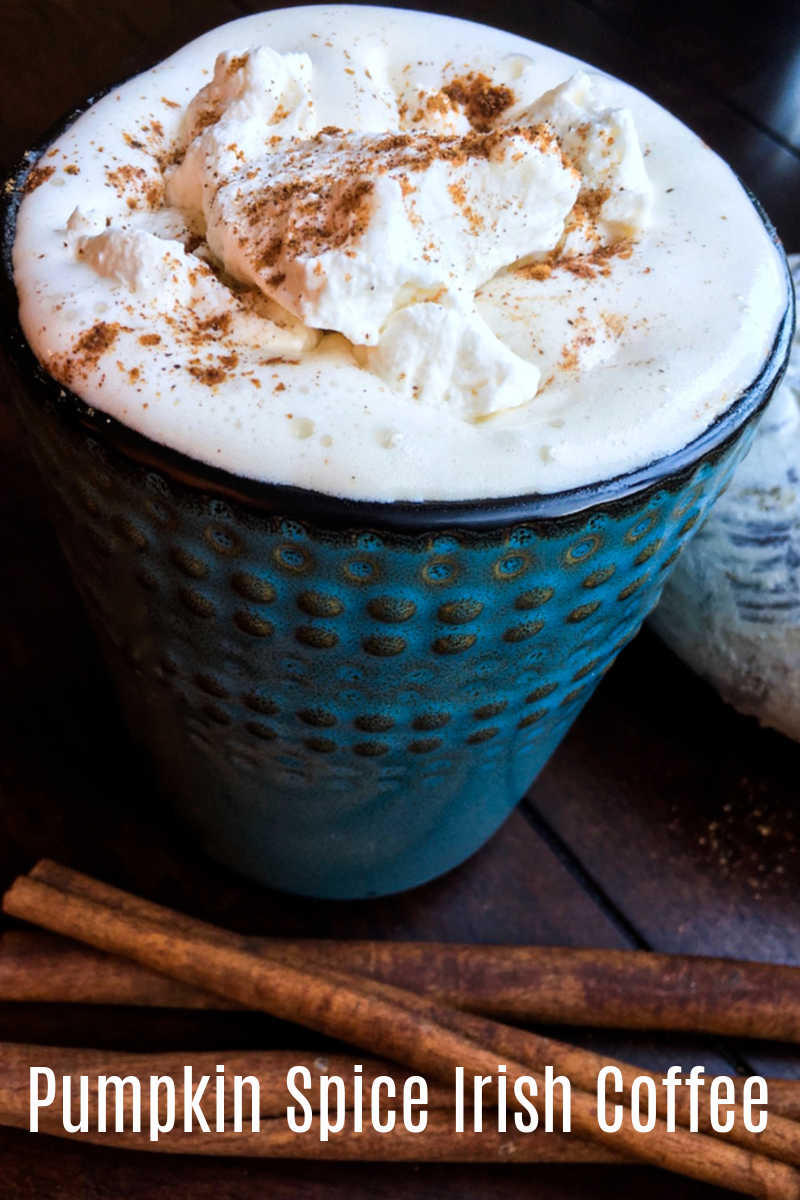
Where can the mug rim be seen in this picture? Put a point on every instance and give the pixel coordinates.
(324, 510)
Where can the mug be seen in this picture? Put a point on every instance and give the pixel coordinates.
(344, 698)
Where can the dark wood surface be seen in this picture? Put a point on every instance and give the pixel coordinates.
(664, 821)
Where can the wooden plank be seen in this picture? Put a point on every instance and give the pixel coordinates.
(685, 815)
(749, 58)
(54, 55)
(682, 810)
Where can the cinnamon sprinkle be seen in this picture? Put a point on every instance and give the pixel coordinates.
(459, 196)
(315, 213)
(481, 100)
(219, 324)
(87, 351)
(615, 323)
(135, 184)
(95, 341)
(588, 266)
(36, 177)
(209, 375)
(237, 63)
(583, 266)
(536, 270)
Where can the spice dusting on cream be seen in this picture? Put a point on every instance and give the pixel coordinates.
(477, 272)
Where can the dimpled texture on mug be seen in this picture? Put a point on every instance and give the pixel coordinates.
(345, 713)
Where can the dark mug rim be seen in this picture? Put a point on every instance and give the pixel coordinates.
(337, 512)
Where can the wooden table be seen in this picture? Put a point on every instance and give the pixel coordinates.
(665, 820)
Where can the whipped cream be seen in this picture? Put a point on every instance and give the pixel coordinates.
(298, 250)
(386, 237)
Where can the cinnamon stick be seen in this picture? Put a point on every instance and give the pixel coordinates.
(270, 1066)
(781, 1140)
(614, 989)
(437, 1143)
(41, 968)
(391, 1022)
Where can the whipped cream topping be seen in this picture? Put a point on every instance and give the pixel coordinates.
(344, 229)
(299, 250)
(385, 237)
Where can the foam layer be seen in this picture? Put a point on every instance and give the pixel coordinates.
(620, 301)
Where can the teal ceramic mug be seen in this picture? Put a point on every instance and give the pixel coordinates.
(346, 699)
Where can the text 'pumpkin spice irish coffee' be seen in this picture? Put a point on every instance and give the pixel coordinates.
(378, 387)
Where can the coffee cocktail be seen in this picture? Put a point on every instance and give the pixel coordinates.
(432, 346)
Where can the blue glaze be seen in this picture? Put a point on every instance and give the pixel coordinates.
(350, 713)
